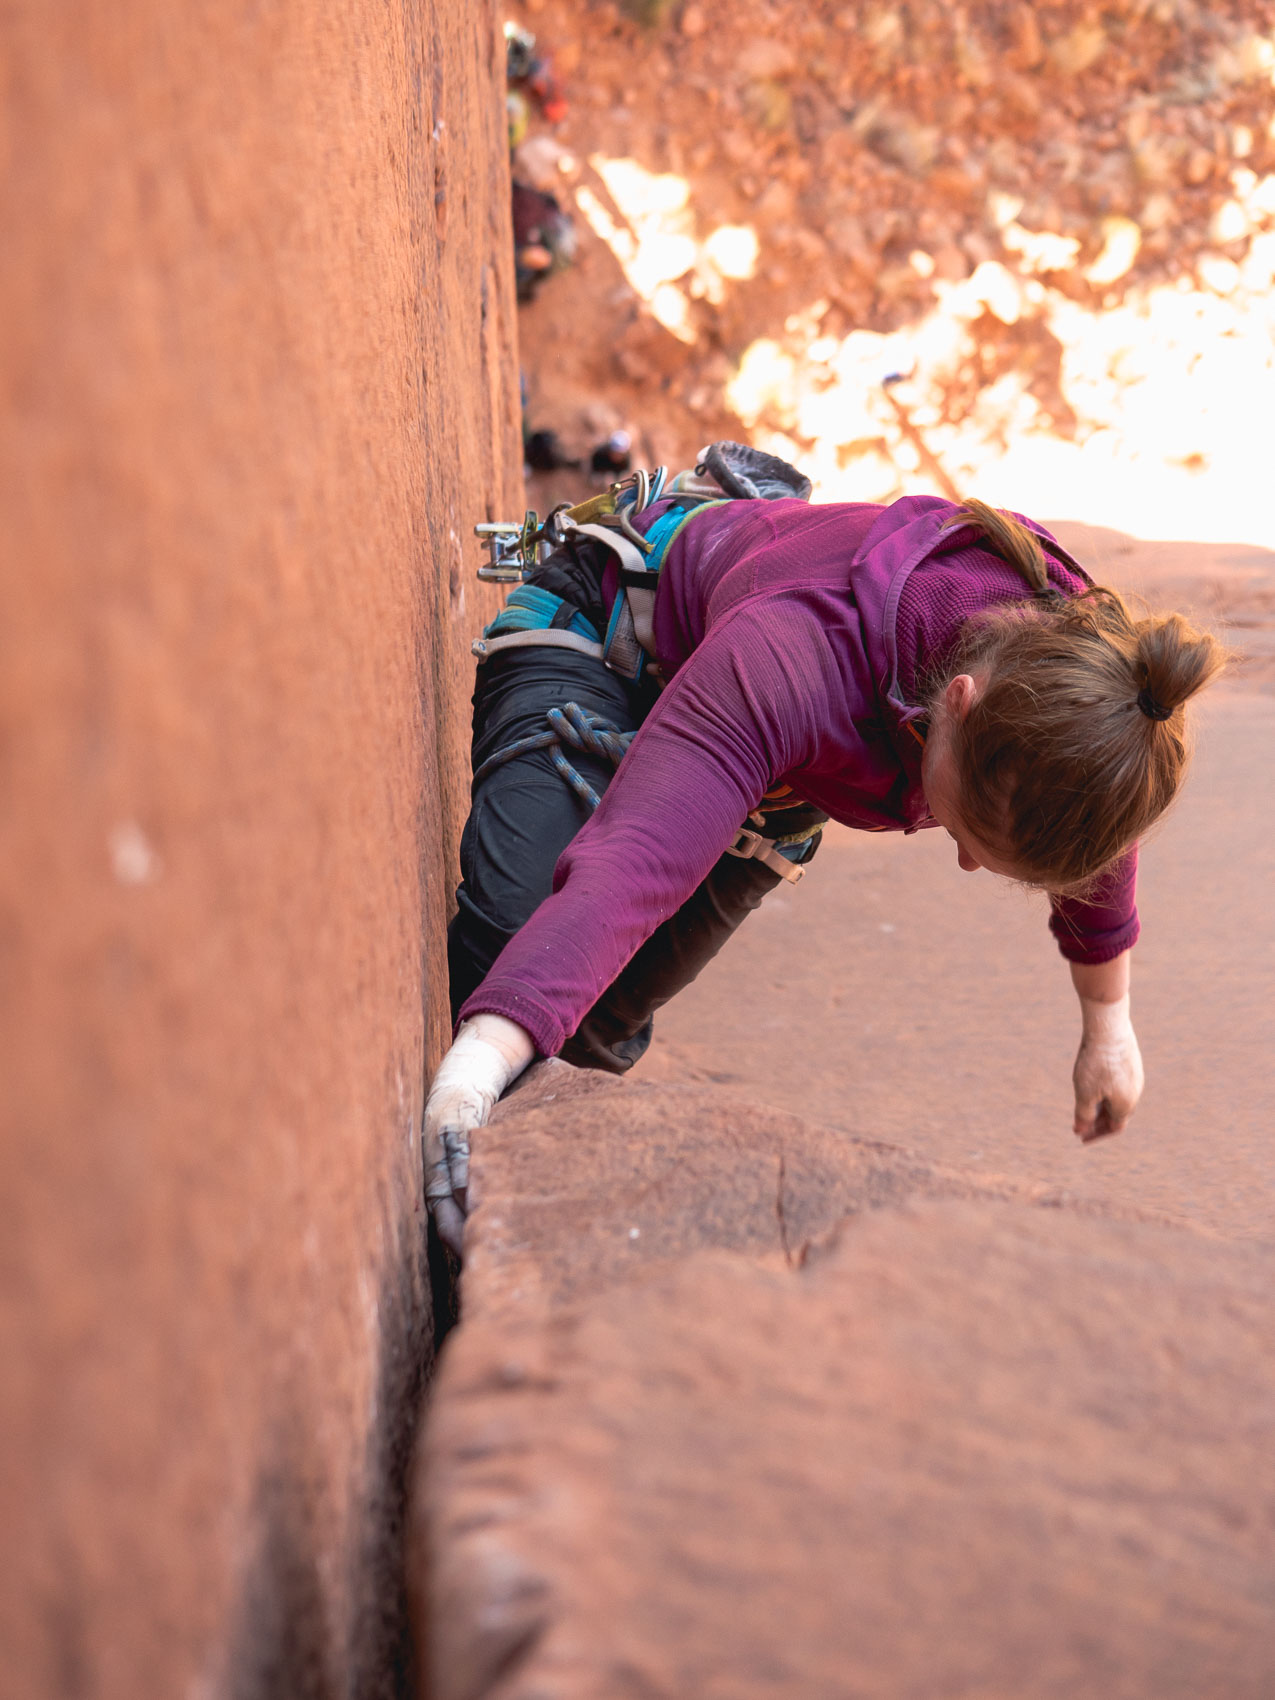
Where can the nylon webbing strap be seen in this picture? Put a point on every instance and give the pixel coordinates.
(629, 553)
(750, 846)
(622, 651)
(545, 638)
(630, 636)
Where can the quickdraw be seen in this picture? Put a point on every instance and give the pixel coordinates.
(628, 646)
(514, 550)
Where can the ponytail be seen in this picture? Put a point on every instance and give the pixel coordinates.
(1010, 539)
(1173, 661)
(1077, 742)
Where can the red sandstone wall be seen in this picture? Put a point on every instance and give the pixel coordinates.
(256, 345)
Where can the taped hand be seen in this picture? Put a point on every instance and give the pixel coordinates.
(1108, 1075)
(488, 1053)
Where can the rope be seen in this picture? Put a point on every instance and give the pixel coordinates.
(571, 725)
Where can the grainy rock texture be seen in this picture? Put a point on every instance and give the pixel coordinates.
(739, 1408)
(256, 349)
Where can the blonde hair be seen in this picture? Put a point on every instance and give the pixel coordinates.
(1078, 740)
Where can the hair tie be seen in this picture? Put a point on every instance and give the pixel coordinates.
(1150, 707)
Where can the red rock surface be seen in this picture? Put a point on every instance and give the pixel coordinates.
(256, 348)
(741, 1407)
(584, 1182)
(257, 351)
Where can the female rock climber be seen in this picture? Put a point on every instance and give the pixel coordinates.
(915, 665)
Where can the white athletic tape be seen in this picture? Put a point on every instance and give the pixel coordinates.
(1106, 1021)
(489, 1052)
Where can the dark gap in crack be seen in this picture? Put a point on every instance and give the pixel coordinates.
(781, 1218)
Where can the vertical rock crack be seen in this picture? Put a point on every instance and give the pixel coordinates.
(780, 1217)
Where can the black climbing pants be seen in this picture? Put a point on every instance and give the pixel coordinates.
(522, 816)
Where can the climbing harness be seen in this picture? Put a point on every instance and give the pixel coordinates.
(535, 617)
(628, 646)
(592, 735)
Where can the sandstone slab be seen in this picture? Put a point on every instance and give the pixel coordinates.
(834, 1422)
(583, 1181)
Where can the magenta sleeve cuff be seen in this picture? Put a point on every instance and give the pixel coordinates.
(1098, 928)
(1094, 948)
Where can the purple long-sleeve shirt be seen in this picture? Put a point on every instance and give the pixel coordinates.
(772, 647)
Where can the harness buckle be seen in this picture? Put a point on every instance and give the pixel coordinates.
(752, 846)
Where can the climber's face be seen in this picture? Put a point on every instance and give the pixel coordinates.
(940, 780)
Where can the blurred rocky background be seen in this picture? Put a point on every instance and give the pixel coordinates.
(1021, 250)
